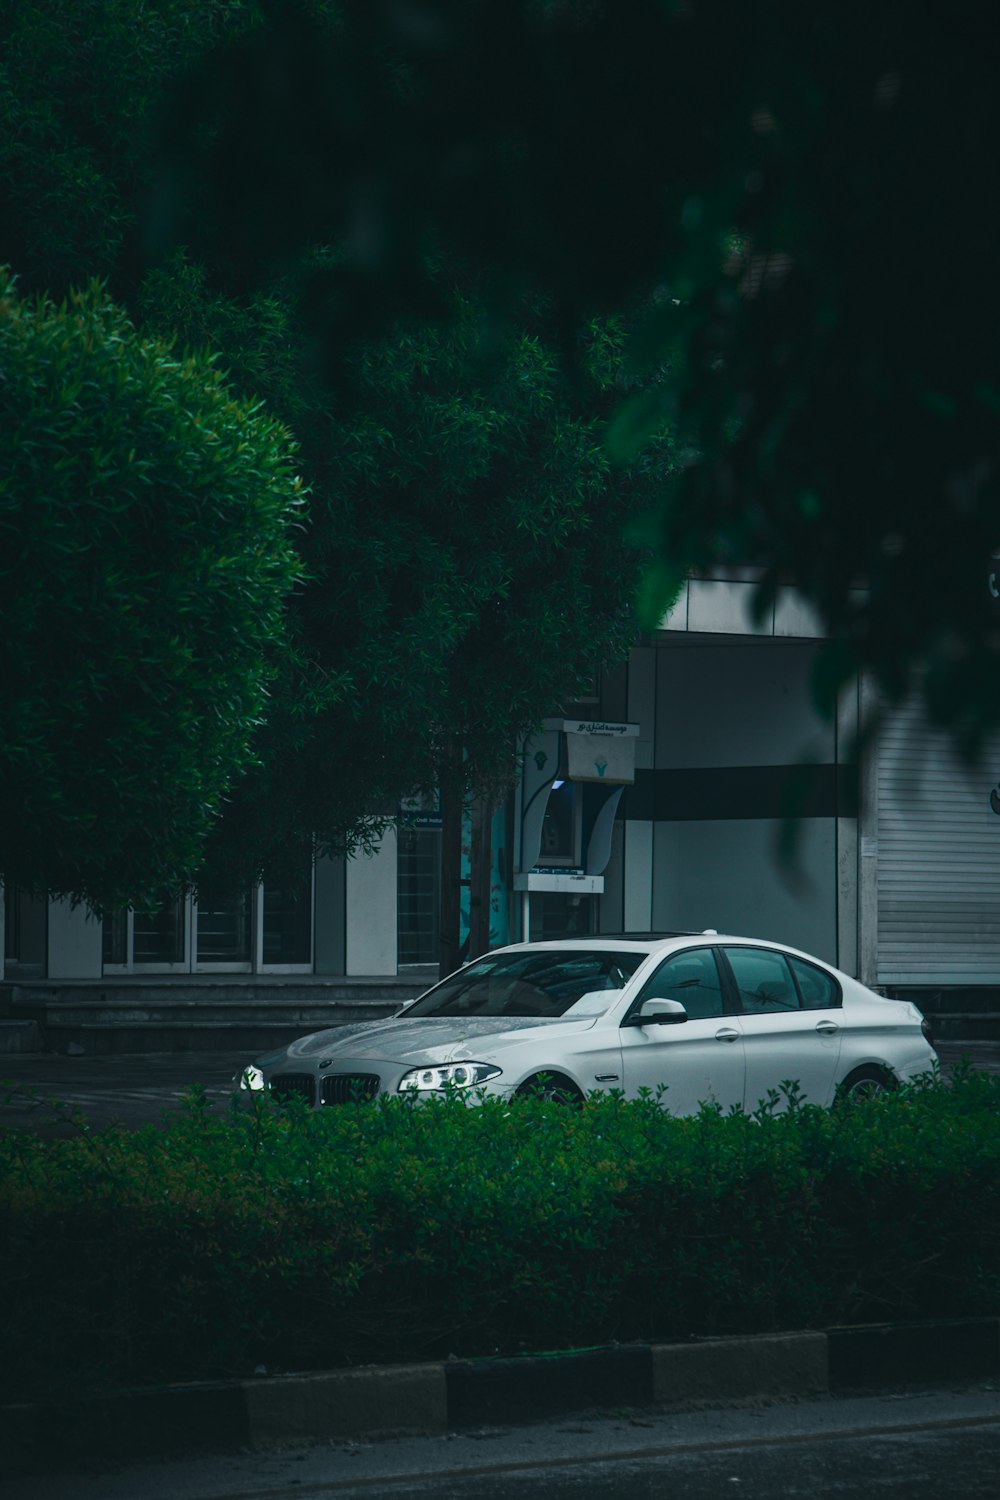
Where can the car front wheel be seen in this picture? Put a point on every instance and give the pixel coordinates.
(550, 1086)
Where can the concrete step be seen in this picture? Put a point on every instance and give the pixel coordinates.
(102, 1018)
(243, 1039)
(960, 1013)
(18, 1037)
(199, 990)
(956, 1026)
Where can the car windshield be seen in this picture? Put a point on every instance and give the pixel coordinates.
(573, 984)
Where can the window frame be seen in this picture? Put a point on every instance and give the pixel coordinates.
(801, 1008)
(726, 987)
(838, 988)
(190, 964)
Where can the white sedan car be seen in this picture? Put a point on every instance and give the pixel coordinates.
(691, 1017)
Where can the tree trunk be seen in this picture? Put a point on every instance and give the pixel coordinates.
(451, 883)
(480, 853)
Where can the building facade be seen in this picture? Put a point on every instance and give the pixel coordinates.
(720, 799)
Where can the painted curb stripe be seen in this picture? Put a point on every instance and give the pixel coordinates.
(463, 1393)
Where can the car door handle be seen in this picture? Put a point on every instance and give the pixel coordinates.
(827, 1028)
(727, 1034)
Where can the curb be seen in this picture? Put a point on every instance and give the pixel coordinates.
(427, 1398)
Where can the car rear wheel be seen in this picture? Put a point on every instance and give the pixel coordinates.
(866, 1083)
(550, 1086)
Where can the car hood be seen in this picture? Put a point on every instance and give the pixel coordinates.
(423, 1040)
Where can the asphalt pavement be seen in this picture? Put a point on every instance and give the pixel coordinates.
(43, 1092)
(920, 1445)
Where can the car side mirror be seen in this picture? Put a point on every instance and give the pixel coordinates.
(660, 1013)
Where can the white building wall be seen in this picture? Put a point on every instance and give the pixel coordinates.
(726, 875)
(637, 838)
(611, 903)
(732, 717)
(638, 892)
(725, 606)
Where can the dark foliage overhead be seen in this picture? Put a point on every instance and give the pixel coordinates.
(809, 189)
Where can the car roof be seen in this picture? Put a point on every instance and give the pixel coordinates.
(653, 942)
(649, 941)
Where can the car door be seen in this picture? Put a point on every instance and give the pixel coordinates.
(790, 1017)
(697, 1060)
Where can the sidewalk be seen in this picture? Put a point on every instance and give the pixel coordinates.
(379, 1401)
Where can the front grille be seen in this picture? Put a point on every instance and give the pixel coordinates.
(349, 1088)
(294, 1086)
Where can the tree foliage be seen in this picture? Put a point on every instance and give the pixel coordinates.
(807, 191)
(466, 574)
(145, 559)
(80, 83)
(462, 560)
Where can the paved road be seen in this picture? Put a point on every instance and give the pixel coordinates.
(43, 1092)
(921, 1446)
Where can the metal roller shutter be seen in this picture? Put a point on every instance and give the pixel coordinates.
(938, 859)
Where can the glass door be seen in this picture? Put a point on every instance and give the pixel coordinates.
(147, 942)
(26, 926)
(418, 896)
(285, 924)
(224, 931)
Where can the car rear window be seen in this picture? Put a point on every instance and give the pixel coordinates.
(819, 990)
(572, 984)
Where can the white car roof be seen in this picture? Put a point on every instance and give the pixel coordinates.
(654, 942)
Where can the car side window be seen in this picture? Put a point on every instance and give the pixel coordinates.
(692, 977)
(763, 979)
(819, 990)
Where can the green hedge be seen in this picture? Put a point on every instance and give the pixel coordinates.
(291, 1239)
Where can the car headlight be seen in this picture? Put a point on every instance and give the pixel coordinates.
(251, 1078)
(460, 1075)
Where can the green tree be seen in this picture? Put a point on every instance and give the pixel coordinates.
(465, 565)
(145, 559)
(80, 81)
(463, 560)
(807, 192)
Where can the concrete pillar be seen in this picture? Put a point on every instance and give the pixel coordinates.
(370, 900)
(638, 878)
(868, 843)
(330, 943)
(74, 942)
(847, 841)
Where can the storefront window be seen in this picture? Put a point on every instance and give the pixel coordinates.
(224, 928)
(114, 937)
(158, 936)
(268, 927)
(286, 919)
(418, 908)
(25, 934)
